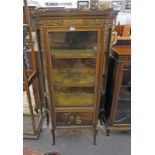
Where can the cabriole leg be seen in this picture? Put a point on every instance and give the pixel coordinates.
(53, 135)
(95, 134)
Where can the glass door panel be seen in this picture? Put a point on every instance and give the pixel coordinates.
(73, 44)
(73, 57)
(123, 114)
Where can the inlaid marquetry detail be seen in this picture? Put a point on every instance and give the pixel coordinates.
(93, 21)
(71, 22)
(53, 22)
(39, 22)
(74, 118)
(105, 39)
(107, 21)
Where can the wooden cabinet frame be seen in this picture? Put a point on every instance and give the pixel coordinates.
(120, 57)
(75, 20)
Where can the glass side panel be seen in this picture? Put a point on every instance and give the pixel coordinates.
(123, 114)
(73, 57)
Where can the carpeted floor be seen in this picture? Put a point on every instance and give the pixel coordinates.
(80, 142)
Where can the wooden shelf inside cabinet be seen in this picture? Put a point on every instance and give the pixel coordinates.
(73, 54)
(72, 57)
(77, 109)
(74, 86)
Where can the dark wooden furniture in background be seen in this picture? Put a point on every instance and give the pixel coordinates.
(126, 31)
(33, 115)
(118, 90)
(123, 41)
(75, 45)
(123, 30)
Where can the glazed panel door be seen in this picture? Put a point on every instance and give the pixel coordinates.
(74, 74)
(73, 57)
(123, 110)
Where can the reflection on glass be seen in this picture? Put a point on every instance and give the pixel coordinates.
(73, 44)
(123, 114)
(73, 57)
(73, 77)
(73, 63)
(74, 98)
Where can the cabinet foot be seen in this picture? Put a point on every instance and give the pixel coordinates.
(47, 111)
(53, 135)
(107, 132)
(95, 134)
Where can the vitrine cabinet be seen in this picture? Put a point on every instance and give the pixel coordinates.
(74, 45)
(118, 90)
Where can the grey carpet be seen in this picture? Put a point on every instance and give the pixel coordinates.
(80, 142)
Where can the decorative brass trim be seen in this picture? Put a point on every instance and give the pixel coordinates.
(93, 21)
(73, 22)
(107, 21)
(53, 22)
(39, 22)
